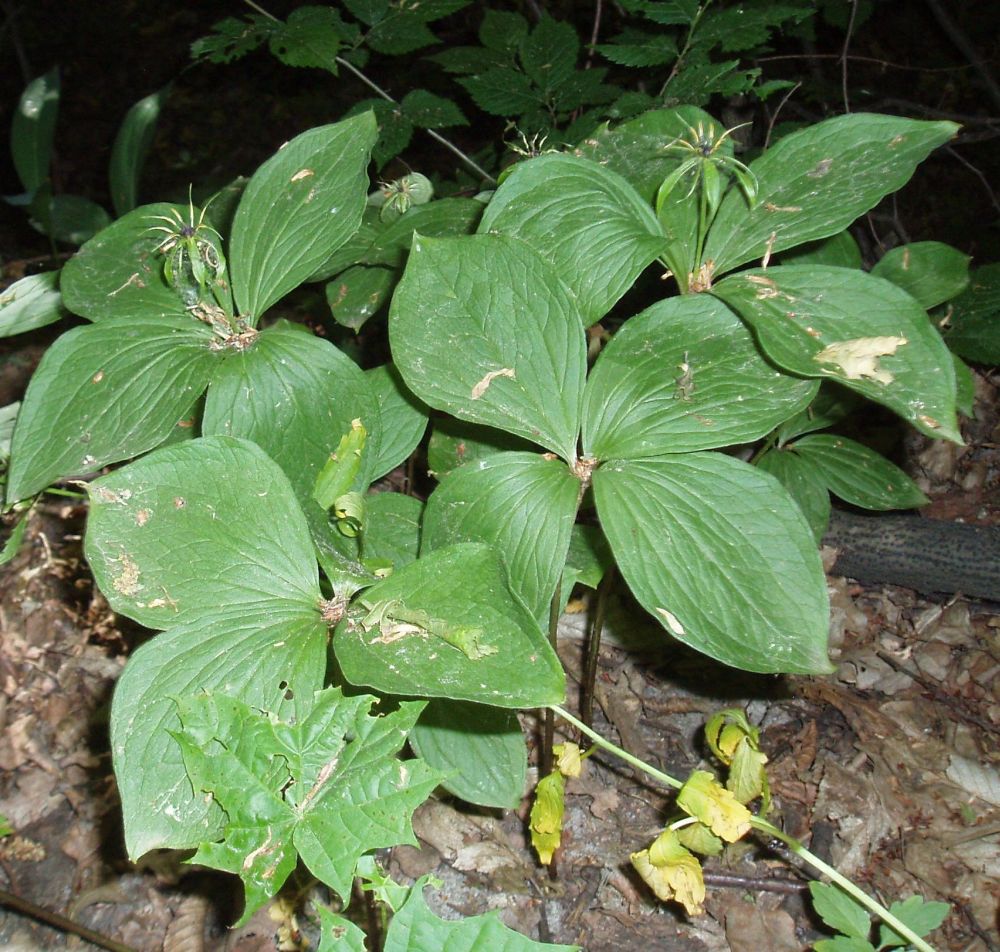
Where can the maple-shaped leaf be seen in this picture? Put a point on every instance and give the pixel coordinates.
(328, 788)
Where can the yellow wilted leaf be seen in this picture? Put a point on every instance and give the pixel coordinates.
(547, 816)
(707, 800)
(672, 872)
(568, 760)
(859, 357)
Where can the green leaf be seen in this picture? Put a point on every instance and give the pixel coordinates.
(400, 34)
(502, 30)
(684, 375)
(33, 129)
(454, 443)
(973, 325)
(30, 303)
(444, 218)
(128, 154)
(863, 332)
(358, 293)
(521, 503)
(69, 218)
(295, 395)
(921, 916)
(857, 474)
(119, 272)
(338, 933)
(233, 38)
(843, 944)
(10, 548)
(241, 605)
(718, 553)
(312, 37)
(588, 559)
(584, 219)
(340, 471)
(428, 111)
(640, 49)
(502, 91)
(930, 271)
(104, 393)
(392, 529)
(301, 204)
(965, 387)
(804, 484)
(327, 786)
(461, 589)
(479, 750)
(495, 302)
(548, 53)
(815, 182)
(635, 149)
(414, 928)
(839, 911)
(403, 417)
(831, 404)
(839, 250)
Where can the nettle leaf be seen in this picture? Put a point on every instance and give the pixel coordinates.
(403, 418)
(548, 53)
(684, 375)
(815, 182)
(804, 484)
(107, 392)
(479, 750)
(973, 325)
(930, 271)
(33, 129)
(327, 786)
(30, 303)
(859, 330)
(857, 474)
(119, 272)
(503, 30)
(185, 539)
(454, 443)
(414, 928)
(635, 149)
(584, 219)
(502, 91)
(295, 395)
(428, 111)
(312, 37)
(299, 206)
(448, 626)
(496, 303)
(719, 554)
(521, 503)
(132, 144)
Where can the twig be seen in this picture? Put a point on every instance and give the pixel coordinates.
(982, 178)
(594, 33)
(843, 54)
(854, 58)
(965, 47)
(56, 921)
(753, 884)
(774, 117)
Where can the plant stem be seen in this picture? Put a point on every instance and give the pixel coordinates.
(762, 825)
(616, 750)
(379, 91)
(593, 648)
(548, 724)
(844, 883)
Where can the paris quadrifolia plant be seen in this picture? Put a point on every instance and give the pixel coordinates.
(309, 627)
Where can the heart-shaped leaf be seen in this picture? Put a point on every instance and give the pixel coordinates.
(684, 375)
(719, 554)
(584, 219)
(297, 209)
(448, 625)
(497, 304)
(521, 503)
(863, 332)
(106, 392)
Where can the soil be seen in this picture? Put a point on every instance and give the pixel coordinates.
(889, 769)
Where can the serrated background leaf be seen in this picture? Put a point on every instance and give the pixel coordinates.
(464, 585)
(798, 310)
(429, 111)
(299, 206)
(30, 303)
(104, 393)
(974, 325)
(403, 419)
(502, 91)
(128, 154)
(311, 37)
(584, 219)
(930, 271)
(522, 504)
(496, 303)
(857, 474)
(295, 395)
(548, 53)
(640, 401)
(839, 911)
(119, 273)
(721, 547)
(815, 182)
(480, 749)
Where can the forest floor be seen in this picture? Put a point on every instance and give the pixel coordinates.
(889, 769)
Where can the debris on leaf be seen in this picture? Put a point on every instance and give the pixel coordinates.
(859, 357)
